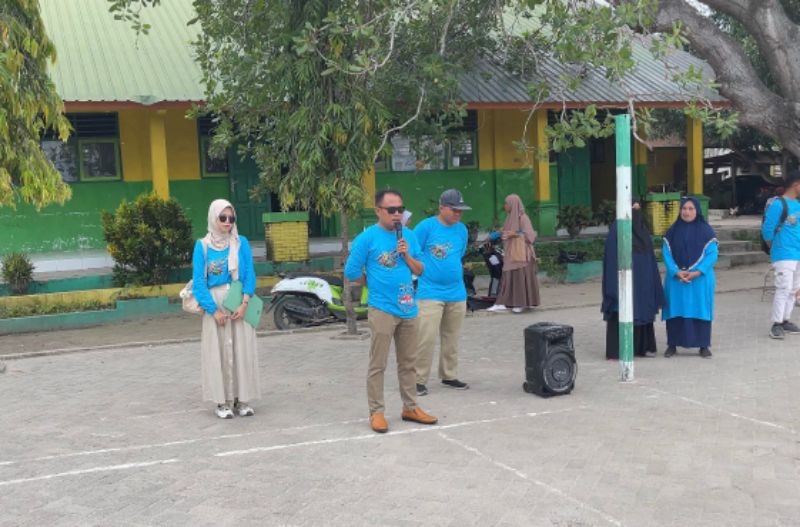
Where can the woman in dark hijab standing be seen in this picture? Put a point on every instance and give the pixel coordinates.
(690, 252)
(648, 295)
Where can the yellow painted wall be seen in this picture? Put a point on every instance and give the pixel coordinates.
(134, 137)
(666, 165)
(509, 128)
(183, 147)
(486, 143)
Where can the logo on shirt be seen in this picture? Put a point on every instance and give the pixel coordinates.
(388, 259)
(217, 267)
(441, 250)
(792, 219)
(405, 298)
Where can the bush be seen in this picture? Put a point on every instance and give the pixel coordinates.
(17, 272)
(606, 212)
(147, 239)
(574, 218)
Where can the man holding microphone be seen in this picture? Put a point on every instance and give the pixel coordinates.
(388, 253)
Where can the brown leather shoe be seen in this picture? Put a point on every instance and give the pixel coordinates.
(378, 423)
(418, 416)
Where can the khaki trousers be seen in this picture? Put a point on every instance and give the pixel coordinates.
(443, 320)
(385, 327)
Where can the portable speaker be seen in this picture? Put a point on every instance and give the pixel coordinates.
(550, 367)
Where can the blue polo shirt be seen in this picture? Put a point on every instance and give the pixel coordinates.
(443, 246)
(388, 276)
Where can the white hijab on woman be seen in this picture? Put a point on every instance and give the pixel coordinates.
(220, 239)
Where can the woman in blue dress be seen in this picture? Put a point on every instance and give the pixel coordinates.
(690, 252)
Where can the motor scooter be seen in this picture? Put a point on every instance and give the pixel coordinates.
(493, 257)
(304, 300)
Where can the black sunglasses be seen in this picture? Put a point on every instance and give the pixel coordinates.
(224, 218)
(394, 210)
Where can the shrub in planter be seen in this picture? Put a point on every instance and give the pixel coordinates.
(606, 212)
(17, 272)
(147, 239)
(574, 218)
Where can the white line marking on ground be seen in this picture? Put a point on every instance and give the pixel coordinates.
(538, 483)
(725, 412)
(179, 442)
(362, 437)
(108, 468)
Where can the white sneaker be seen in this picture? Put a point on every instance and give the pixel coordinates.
(517, 309)
(223, 411)
(496, 308)
(244, 409)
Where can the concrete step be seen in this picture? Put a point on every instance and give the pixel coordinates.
(732, 246)
(728, 260)
(739, 234)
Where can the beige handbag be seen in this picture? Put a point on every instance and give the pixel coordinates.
(188, 302)
(517, 250)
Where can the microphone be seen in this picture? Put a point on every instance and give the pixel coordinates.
(398, 228)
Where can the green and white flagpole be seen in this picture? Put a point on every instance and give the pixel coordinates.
(625, 273)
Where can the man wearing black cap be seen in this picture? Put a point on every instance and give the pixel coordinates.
(441, 295)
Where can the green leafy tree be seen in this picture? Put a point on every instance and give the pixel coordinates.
(29, 106)
(314, 89)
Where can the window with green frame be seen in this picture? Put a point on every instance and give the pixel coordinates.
(463, 151)
(99, 159)
(93, 151)
(211, 166)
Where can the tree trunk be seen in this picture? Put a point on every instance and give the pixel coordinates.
(347, 295)
(758, 106)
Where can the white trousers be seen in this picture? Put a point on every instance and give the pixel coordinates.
(787, 282)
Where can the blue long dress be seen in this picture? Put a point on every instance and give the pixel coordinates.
(689, 309)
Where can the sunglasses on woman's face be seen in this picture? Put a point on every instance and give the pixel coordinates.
(224, 218)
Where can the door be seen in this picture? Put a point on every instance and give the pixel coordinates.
(574, 177)
(244, 176)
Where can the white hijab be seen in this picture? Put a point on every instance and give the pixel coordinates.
(219, 239)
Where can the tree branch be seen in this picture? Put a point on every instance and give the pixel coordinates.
(759, 107)
(778, 38)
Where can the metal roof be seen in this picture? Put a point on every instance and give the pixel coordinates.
(649, 83)
(101, 60)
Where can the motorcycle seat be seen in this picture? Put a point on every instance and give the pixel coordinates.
(331, 279)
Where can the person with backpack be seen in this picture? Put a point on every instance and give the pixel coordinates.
(781, 235)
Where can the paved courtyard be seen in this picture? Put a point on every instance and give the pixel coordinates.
(120, 437)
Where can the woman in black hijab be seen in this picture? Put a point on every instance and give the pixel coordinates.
(648, 293)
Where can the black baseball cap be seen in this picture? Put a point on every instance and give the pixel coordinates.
(453, 199)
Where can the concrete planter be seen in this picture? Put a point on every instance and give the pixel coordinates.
(581, 272)
(124, 310)
(286, 235)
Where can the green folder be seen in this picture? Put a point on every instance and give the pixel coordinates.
(233, 300)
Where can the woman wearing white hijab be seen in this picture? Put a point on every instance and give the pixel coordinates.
(228, 345)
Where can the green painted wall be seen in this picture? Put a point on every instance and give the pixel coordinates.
(73, 226)
(484, 191)
(196, 195)
(76, 225)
